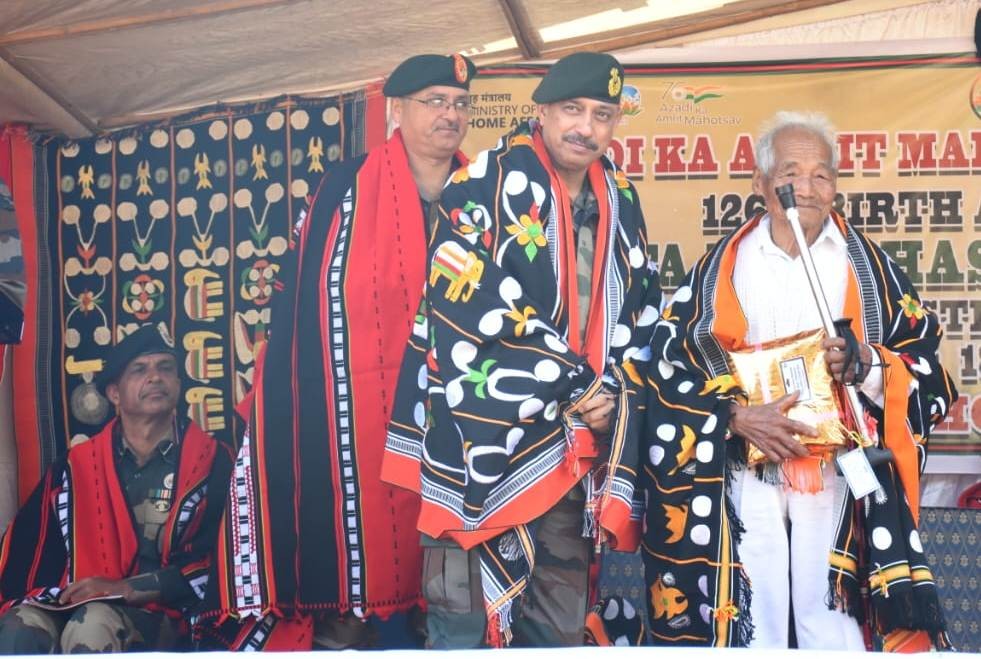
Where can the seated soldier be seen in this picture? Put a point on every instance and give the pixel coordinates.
(114, 543)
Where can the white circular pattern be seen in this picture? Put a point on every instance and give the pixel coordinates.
(628, 610)
(685, 387)
(187, 206)
(299, 119)
(491, 322)
(72, 337)
(158, 138)
(666, 369)
(185, 138)
(125, 211)
(515, 183)
(683, 294)
(218, 202)
(556, 344)
(700, 534)
(703, 585)
(881, 538)
(218, 130)
(71, 214)
(70, 150)
(103, 145)
(706, 612)
(551, 411)
(547, 371)
(509, 289)
(299, 188)
(648, 316)
(102, 212)
(275, 121)
(127, 145)
(701, 505)
(621, 336)
(914, 541)
(656, 454)
(454, 393)
(704, 451)
(530, 408)
(612, 610)
(242, 129)
(159, 209)
(636, 257)
(274, 193)
(666, 432)
(242, 198)
(419, 414)
(513, 437)
(422, 377)
(331, 116)
(102, 335)
(710, 423)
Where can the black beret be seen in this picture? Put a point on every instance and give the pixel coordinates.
(147, 340)
(423, 71)
(582, 75)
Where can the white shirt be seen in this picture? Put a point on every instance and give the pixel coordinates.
(775, 295)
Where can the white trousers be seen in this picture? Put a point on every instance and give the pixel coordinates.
(784, 551)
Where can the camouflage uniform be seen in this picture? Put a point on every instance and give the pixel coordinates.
(104, 627)
(92, 627)
(553, 612)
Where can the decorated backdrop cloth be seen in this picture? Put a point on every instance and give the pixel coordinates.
(486, 426)
(698, 591)
(184, 223)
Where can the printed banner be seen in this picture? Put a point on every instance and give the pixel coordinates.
(909, 139)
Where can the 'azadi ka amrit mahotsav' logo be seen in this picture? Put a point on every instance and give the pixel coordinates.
(630, 101)
(693, 94)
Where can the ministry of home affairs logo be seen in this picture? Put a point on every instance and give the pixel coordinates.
(976, 97)
(630, 101)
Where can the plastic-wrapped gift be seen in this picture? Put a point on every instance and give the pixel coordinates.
(771, 370)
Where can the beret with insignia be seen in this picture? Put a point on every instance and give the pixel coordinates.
(423, 71)
(147, 340)
(582, 75)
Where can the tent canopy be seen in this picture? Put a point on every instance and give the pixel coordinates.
(80, 67)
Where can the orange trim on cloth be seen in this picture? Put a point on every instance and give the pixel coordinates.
(569, 286)
(896, 381)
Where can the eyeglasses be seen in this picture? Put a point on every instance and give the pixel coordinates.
(441, 104)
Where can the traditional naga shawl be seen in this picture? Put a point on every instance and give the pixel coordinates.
(78, 524)
(310, 528)
(699, 593)
(483, 428)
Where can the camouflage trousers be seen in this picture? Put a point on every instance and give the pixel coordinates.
(92, 627)
(553, 611)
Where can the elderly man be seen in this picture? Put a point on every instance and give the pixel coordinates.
(314, 547)
(730, 549)
(515, 419)
(112, 548)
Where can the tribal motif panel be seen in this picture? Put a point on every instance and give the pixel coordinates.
(183, 224)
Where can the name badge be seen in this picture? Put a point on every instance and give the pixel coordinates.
(858, 473)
